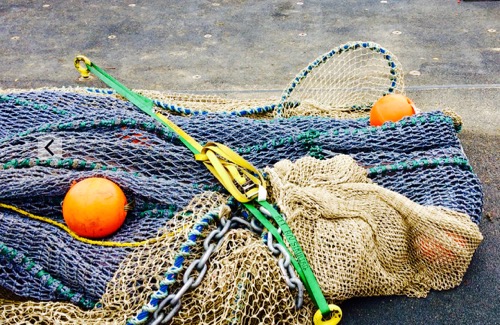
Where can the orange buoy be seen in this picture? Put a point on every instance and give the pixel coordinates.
(391, 108)
(135, 138)
(434, 250)
(94, 207)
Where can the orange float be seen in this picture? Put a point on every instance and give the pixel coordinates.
(94, 207)
(391, 108)
(135, 138)
(434, 251)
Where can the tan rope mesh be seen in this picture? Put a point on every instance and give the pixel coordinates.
(346, 82)
(457, 119)
(364, 240)
(243, 286)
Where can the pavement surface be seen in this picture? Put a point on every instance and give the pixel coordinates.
(250, 49)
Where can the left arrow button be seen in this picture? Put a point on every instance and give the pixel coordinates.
(48, 145)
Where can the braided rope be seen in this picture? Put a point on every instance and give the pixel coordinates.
(418, 163)
(173, 271)
(188, 111)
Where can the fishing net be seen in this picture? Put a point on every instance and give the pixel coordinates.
(377, 241)
(396, 216)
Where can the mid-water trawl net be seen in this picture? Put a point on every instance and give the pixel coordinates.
(404, 190)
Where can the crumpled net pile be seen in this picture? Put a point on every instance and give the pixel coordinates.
(378, 211)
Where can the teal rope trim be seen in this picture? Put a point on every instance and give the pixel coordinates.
(162, 132)
(308, 136)
(188, 111)
(48, 281)
(344, 48)
(420, 163)
(28, 103)
(76, 164)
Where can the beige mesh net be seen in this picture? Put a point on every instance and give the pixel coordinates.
(345, 81)
(361, 240)
(364, 240)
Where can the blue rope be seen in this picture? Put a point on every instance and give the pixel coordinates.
(174, 270)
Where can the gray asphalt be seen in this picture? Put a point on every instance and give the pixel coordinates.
(248, 49)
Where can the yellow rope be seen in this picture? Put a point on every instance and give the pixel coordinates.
(86, 240)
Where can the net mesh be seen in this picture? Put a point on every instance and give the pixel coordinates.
(409, 183)
(324, 88)
(382, 244)
(365, 240)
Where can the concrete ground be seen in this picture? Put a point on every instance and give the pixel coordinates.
(253, 49)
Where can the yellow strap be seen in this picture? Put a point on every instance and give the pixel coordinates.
(86, 240)
(227, 166)
(179, 132)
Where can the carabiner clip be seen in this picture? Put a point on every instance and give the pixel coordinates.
(81, 64)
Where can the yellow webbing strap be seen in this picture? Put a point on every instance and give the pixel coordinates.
(191, 143)
(231, 168)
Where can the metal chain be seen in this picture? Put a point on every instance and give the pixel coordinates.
(171, 305)
(287, 270)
